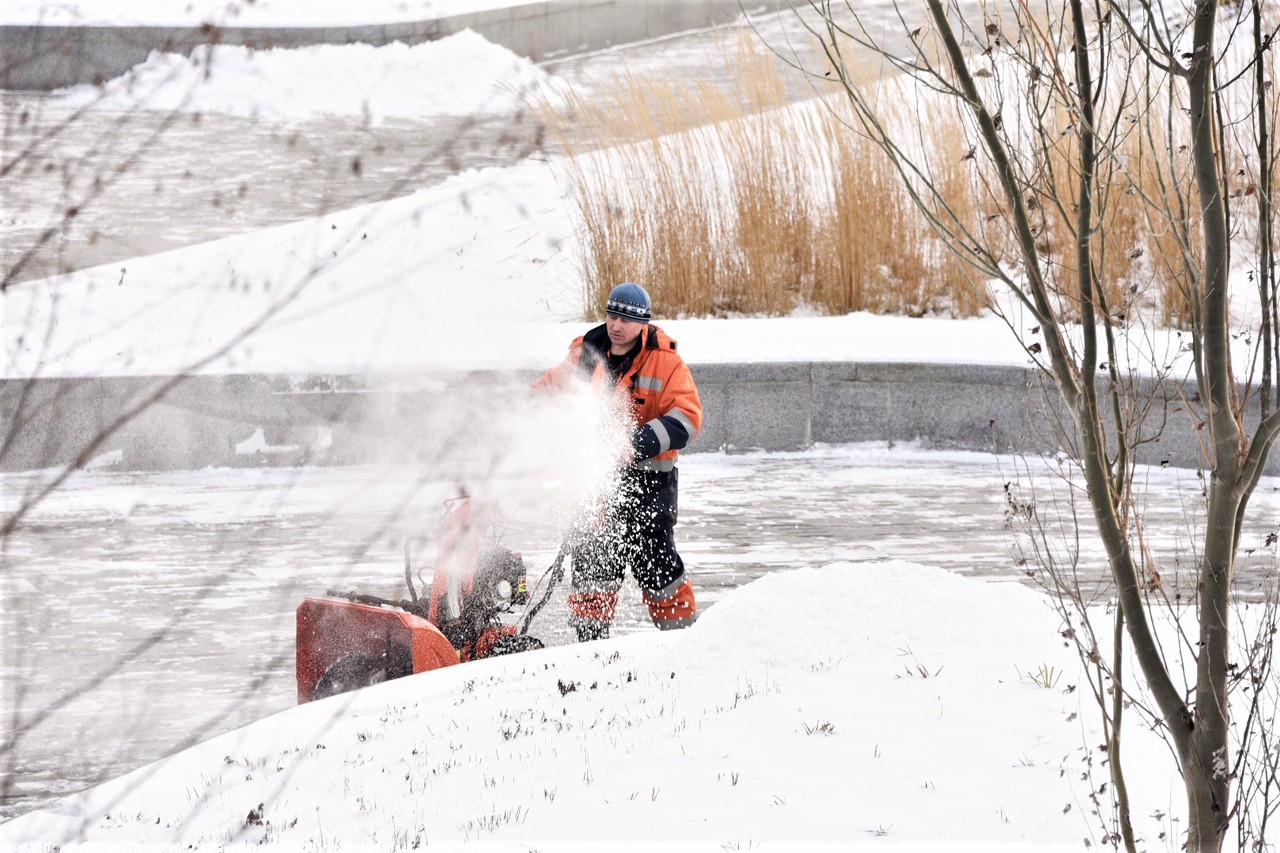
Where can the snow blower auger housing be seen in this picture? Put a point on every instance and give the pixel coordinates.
(348, 640)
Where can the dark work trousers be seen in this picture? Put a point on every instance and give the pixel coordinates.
(636, 531)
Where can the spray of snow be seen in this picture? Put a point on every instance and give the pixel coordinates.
(537, 462)
(531, 462)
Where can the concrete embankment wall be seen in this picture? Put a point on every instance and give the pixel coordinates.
(42, 58)
(340, 420)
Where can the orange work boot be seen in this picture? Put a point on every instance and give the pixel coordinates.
(678, 611)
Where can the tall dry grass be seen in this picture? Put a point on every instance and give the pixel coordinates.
(1141, 187)
(880, 254)
(732, 201)
(727, 203)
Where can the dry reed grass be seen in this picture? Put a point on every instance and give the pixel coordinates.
(1140, 187)
(730, 203)
(726, 204)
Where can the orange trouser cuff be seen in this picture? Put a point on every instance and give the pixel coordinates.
(677, 611)
(594, 606)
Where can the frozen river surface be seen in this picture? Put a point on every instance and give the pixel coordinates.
(143, 612)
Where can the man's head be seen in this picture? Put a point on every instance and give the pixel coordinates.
(630, 302)
(628, 312)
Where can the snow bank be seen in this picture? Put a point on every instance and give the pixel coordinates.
(460, 75)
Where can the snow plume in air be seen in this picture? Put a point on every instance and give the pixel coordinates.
(460, 75)
(536, 467)
(554, 454)
(539, 460)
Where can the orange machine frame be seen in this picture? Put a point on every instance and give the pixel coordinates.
(329, 630)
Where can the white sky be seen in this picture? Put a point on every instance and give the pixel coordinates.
(849, 705)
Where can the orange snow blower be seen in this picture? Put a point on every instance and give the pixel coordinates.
(348, 640)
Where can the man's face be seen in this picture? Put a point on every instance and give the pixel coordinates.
(623, 333)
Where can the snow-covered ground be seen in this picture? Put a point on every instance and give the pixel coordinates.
(858, 703)
(852, 705)
(465, 75)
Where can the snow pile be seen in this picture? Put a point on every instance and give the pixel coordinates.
(838, 704)
(451, 278)
(460, 75)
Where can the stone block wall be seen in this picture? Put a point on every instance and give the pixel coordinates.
(156, 423)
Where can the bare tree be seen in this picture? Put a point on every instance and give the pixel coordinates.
(1081, 119)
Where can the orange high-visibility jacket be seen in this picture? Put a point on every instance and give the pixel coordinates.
(664, 399)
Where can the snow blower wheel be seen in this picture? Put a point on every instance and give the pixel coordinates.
(350, 673)
(514, 643)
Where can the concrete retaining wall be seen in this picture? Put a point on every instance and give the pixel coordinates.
(42, 58)
(333, 420)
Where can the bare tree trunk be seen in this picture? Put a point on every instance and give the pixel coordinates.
(1205, 764)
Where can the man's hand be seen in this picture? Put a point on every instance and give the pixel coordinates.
(645, 442)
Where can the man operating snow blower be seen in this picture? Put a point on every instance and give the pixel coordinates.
(635, 528)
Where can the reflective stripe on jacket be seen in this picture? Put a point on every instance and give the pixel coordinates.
(658, 384)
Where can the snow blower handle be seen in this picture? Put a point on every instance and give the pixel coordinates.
(556, 573)
(408, 573)
(375, 601)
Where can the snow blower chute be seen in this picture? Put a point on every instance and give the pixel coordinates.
(348, 640)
